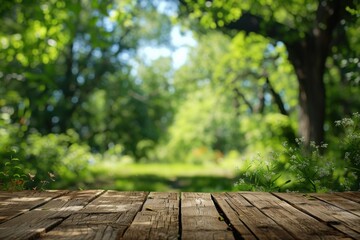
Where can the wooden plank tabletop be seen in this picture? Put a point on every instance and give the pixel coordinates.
(100, 214)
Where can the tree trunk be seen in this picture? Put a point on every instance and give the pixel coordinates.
(308, 59)
(308, 56)
(312, 106)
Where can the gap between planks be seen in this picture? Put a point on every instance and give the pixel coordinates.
(45, 216)
(141, 215)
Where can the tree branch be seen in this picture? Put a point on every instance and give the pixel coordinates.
(261, 96)
(277, 98)
(240, 94)
(256, 24)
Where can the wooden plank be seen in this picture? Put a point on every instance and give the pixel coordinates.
(4, 195)
(336, 217)
(139, 215)
(158, 219)
(107, 217)
(85, 232)
(207, 235)
(244, 216)
(294, 221)
(43, 218)
(115, 201)
(200, 218)
(353, 196)
(339, 201)
(13, 204)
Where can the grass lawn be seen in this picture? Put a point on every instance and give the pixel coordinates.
(162, 177)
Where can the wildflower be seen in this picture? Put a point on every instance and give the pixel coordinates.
(31, 176)
(52, 176)
(299, 141)
(338, 123)
(347, 122)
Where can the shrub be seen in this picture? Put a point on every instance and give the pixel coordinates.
(12, 174)
(313, 168)
(349, 148)
(262, 174)
(59, 156)
(310, 169)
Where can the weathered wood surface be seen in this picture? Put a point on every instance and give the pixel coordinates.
(200, 218)
(100, 214)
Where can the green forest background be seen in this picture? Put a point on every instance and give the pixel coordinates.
(267, 98)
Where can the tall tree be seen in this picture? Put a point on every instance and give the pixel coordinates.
(59, 60)
(305, 27)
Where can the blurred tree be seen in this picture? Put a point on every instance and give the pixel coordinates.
(156, 83)
(212, 119)
(259, 75)
(62, 61)
(308, 29)
(204, 127)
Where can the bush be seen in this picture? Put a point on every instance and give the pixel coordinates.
(42, 161)
(262, 174)
(12, 175)
(310, 169)
(349, 148)
(313, 168)
(59, 156)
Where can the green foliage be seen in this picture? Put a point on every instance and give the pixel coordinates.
(77, 95)
(36, 162)
(304, 168)
(60, 155)
(266, 133)
(12, 175)
(76, 65)
(310, 169)
(296, 168)
(204, 129)
(200, 69)
(261, 174)
(16, 175)
(245, 67)
(216, 14)
(350, 148)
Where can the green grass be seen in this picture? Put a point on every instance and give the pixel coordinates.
(161, 177)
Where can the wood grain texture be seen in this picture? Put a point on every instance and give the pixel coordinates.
(248, 220)
(339, 201)
(107, 217)
(200, 218)
(353, 196)
(297, 223)
(158, 219)
(99, 214)
(13, 204)
(331, 215)
(45, 217)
